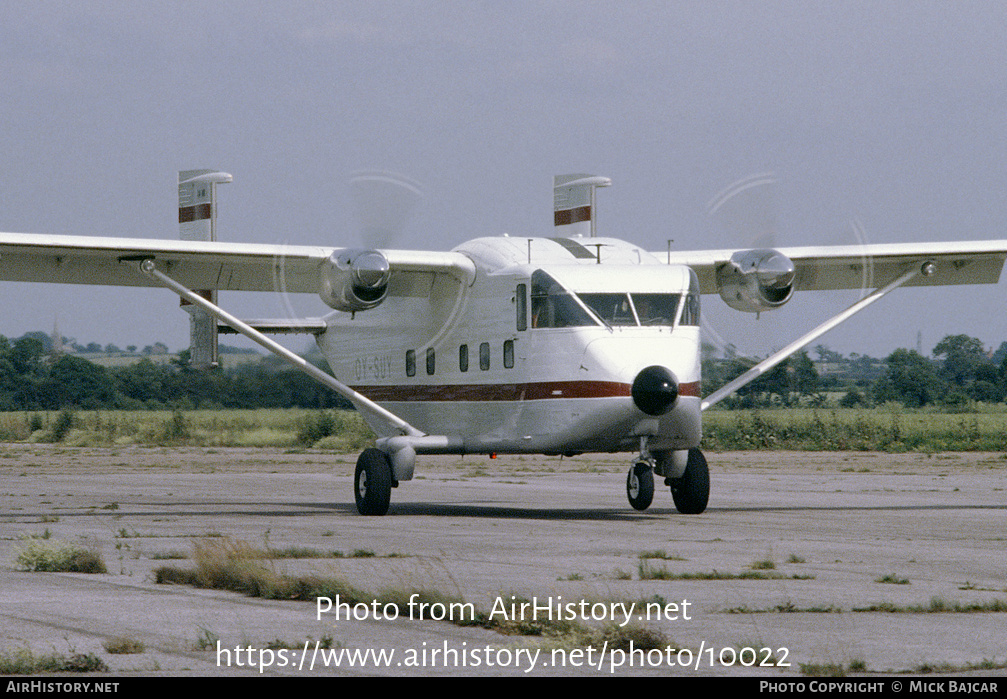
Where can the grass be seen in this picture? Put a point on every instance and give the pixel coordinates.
(887, 428)
(206, 640)
(24, 662)
(661, 555)
(58, 557)
(784, 608)
(225, 564)
(631, 637)
(824, 669)
(947, 668)
(937, 605)
(337, 430)
(122, 645)
(648, 572)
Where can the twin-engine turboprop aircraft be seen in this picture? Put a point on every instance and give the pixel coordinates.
(566, 344)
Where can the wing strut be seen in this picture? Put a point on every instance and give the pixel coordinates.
(926, 269)
(362, 403)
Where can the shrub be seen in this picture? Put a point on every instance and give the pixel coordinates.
(64, 423)
(59, 557)
(315, 426)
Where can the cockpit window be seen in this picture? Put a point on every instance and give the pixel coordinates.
(690, 313)
(552, 306)
(656, 309)
(614, 309)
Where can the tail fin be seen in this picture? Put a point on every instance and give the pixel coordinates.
(574, 204)
(197, 216)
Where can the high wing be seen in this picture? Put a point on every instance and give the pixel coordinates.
(757, 280)
(865, 266)
(28, 257)
(187, 265)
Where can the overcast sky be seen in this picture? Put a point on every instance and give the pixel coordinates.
(882, 122)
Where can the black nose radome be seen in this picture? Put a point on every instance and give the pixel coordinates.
(655, 390)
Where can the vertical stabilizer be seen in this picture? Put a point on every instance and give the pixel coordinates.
(574, 204)
(197, 216)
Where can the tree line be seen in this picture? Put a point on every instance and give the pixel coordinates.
(960, 371)
(31, 379)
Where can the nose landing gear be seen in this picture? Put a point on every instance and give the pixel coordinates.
(640, 483)
(690, 485)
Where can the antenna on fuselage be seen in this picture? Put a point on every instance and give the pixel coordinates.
(197, 220)
(574, 204)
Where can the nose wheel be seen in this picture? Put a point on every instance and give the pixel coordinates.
(640, 484)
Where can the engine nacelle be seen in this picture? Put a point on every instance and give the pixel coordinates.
(355, 280)
(756, 280)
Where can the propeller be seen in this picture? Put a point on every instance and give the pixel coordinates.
(384, 202)
(746, 211)
(744, 218)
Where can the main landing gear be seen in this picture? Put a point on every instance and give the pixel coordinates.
(373, 482)
(690, 486)
(691, 491)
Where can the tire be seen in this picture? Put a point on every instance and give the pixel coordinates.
(640, 486)
(372, 482)
(691, 492)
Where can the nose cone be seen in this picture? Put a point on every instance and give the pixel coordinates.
(655, 390)
(776, 271)
(371, 269)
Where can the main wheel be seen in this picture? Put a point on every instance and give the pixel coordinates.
(640, 485)
(372, 482)
(691, 492)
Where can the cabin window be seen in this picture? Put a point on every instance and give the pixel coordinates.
(521, 306)
(410, 362)
(484, 356)
(430, 361)
(463, 358)
(508, 354)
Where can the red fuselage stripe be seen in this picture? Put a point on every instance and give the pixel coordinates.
(509, 392)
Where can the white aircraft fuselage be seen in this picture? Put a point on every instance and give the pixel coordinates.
(538, 354)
